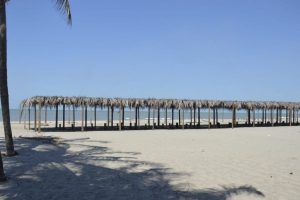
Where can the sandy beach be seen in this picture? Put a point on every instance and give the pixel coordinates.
(238, 164)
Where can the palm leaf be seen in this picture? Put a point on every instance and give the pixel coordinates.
(64, 7)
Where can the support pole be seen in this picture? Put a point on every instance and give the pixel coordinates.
(149, 115)
(158, 116)
(253, 117)
(194, 116)
(166, 117)
(112, 116)
(183, 118)
(172, 116)
(95, 116)
(56, 116)
(40, 117)
(29, 120)
(120, 118)
(199, 117)
(208, 117)
(74, 116)
(45, 115)
(64, 115)
(35, 128)
(82, 118)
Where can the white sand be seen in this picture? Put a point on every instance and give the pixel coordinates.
(238, 164)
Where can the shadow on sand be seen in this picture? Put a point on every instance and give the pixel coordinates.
(46, 169)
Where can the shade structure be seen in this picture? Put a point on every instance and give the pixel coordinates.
(164, 104)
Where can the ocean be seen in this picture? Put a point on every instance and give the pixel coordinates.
(102, 114)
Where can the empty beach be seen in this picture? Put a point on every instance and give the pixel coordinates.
(241, 163)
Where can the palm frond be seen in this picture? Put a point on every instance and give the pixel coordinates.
(64, 7)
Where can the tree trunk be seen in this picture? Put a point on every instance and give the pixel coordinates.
(3, 83)
(2, 175)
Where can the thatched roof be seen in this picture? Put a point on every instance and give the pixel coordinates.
(52, 101)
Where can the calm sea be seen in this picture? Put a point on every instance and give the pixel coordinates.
(102, 114)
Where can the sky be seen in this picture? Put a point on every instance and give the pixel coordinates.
(192, 49)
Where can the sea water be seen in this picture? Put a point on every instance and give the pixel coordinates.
(101, 114)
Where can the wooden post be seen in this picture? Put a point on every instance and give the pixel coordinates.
(263, 115)
(166, 117)
(158, 116)
(293, 116)
(249, 117)
(95, 116)
(183, 118)
(208, 117)
(214, 116)
(74, 115)
(138, 116)
(191, 115)
(194, 116)
(29, 121)
(277, 116)
(179, 117)
(82, 118)
(233, 118)
(112, 116)
(45, 115)
(123, 116)
(199, 117)
(217, 116)
(35, 128)
(120, 118)
(64, 115)
(253, 117)
(25, 117)
(172, 116)
(149, 115)
(56, 116)
(290, 116)
(85, 117)
(108, 115)
(40, 116)
(286, 116)
(153, 115)
(69, 114)
(272, 117)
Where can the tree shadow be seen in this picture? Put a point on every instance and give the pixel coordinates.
(47, 169)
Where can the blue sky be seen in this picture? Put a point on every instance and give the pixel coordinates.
(198, 49)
